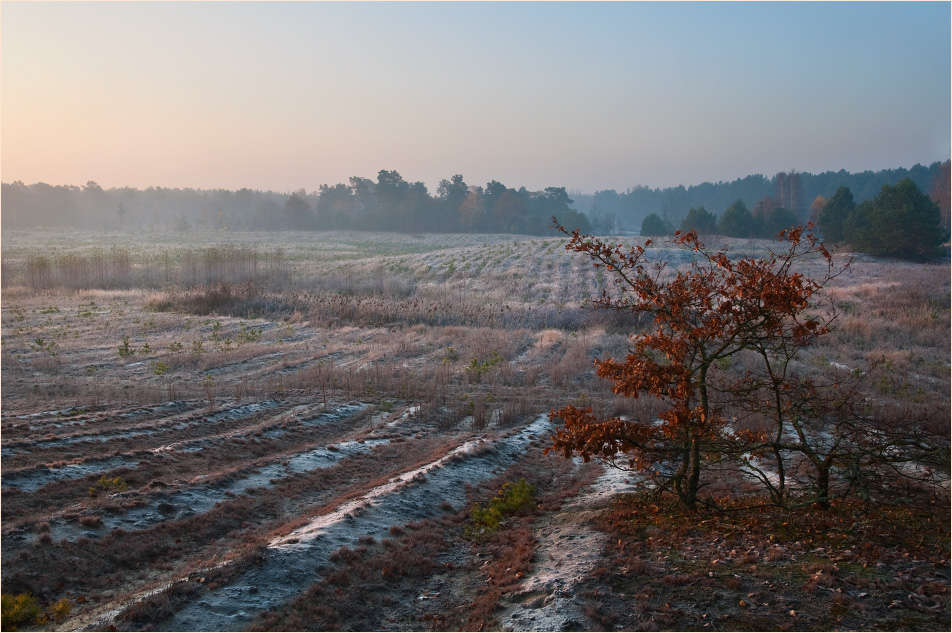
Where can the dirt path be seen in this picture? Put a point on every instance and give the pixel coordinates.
(567, 550)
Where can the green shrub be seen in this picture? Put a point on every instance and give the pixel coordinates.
(700, 220)
(654, 226)
(106, 484)
(251, 335)
(125, 350)
(512, 498)
(60, 609)
(478, 368)
(900, 221)
(20, 609)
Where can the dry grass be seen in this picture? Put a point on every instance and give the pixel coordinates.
(427, 574)
(380, 319)
(858, 567)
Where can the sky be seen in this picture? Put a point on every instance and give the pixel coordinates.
(588, 96)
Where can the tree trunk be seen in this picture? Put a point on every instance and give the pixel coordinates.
(780, 493)
(823, 485)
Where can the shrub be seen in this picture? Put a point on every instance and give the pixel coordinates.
(834, 214)
(477, 369)
(736, 221)
(105, 484)
(512, 498)
(19, 609)
(717, 310)
(125, 350)
(160, 368)
(61, 609)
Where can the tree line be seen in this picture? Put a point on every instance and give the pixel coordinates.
(900, 221)
(393, 203)
(792, 190)
(389, 203)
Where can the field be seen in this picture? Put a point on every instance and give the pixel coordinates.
(223, 431)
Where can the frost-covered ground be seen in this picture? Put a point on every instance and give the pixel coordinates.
(169, 467)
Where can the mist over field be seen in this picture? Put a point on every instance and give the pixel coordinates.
(389, 202)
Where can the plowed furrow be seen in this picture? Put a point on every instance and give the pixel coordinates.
(288, 565)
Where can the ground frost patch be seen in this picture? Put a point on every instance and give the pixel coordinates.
(35, 479)
(192, 501)
(567, 551)
(290, 562)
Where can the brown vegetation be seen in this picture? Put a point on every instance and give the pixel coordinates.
(805, 436)
(238, 400)
(853, 566)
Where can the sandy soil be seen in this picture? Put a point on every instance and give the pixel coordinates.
(568, 548)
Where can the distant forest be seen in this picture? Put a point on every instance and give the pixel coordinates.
(390, 203)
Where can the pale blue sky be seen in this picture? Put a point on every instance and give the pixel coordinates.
(583, 95)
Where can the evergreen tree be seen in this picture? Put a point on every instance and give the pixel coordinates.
(779, 219)
(700, 220)
(901, 222)
(737, 221)
(654, 226)
(834, 213)
(336, 207)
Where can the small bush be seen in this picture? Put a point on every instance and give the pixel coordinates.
(125, 350)
(477, 369)
(60, 609)
(106, 484)
(512, 498)
(19, 609)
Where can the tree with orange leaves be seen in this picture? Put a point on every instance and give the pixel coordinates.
(703, 317)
